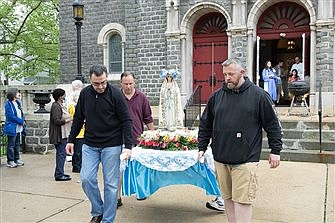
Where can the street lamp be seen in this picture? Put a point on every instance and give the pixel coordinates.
(78, 15)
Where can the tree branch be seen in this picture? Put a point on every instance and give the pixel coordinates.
(13, 55)
(25, 20)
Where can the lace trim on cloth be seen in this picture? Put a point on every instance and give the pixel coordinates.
(170, 160)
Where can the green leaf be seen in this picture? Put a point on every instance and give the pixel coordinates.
(29, 38)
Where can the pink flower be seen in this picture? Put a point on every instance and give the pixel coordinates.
(142, 142)
(148, 143)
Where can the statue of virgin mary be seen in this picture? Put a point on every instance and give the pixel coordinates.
(170, 108)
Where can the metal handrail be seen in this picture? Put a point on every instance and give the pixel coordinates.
(192, 109)
(320, 116)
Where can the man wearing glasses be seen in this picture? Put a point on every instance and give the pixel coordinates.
(108, 125)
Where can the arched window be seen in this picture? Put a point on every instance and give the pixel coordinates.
(112, 38)
(115, 54)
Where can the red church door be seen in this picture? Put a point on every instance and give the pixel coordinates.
(210, 49)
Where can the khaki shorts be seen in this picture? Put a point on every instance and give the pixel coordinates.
(237, 182)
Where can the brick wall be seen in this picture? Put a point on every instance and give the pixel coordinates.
(324, 57)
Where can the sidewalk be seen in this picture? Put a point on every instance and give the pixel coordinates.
(294, 192)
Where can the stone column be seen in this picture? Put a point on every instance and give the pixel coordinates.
(325, 10)
(183, 91)
(172, 16)
(24, 98)
(106, 55)
(229, 44)
(250, 55)
(312, 58)
(239, 13)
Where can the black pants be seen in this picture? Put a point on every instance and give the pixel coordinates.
(76, 157)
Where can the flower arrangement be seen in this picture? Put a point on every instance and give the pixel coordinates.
(172, 141)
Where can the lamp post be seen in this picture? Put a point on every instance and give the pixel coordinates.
(78, 15)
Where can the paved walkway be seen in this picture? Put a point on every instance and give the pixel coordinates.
(295, 192)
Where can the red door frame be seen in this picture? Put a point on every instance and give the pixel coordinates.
(210, 49)
(293, 28)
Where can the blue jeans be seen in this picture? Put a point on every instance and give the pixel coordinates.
(60, 158)
(110, 160)
(13, 147)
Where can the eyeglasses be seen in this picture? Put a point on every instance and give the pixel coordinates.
(98, 84)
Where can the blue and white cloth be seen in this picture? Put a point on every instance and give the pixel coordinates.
(148, 170)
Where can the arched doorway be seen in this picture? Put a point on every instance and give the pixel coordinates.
(210, 49)
(284, 33)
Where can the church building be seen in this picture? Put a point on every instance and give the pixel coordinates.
(196, 36)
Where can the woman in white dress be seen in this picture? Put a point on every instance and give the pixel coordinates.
(170, 108)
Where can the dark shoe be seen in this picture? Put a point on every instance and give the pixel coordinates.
(75, 170)
(141, 199)
(119, 202)
(96, 219)
(63, 178)
(67, 175)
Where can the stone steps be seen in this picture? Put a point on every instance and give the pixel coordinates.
(309, 134)
(301, 141)
(305, 125)
(304, 144)
(312, 156)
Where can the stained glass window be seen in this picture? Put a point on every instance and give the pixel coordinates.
(115, 54)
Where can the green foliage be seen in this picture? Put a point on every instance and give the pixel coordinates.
(29, 38)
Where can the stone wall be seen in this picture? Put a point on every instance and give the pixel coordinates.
(151, 46)
(98, 13)
(325, 56)
(37, 138)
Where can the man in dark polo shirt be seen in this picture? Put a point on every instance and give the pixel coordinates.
(139, 108)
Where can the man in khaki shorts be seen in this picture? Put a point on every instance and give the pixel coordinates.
(233, 119)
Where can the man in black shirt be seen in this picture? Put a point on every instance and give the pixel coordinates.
(108, 125)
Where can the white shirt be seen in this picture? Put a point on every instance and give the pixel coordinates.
(298, 67)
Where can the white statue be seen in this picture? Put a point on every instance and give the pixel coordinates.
(170, 108)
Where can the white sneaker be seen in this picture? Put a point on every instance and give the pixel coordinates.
(68, 158)
(19, 162)
(11, 164)
(216, 205)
